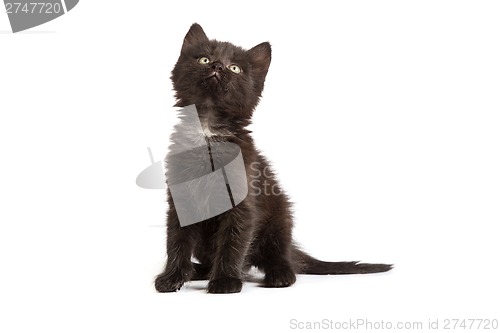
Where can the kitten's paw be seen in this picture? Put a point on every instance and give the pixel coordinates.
(279, 278)
(225, 286)
(166, 283)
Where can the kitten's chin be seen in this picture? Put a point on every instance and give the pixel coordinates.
(214, 83)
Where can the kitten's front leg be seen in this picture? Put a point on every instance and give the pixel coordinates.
(180, 243)
(233, 240)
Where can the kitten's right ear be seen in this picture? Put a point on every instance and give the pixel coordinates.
(195, 36)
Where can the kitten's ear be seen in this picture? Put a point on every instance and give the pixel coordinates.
(195, 36)
(260, 57)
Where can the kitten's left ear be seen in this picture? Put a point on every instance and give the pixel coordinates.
(195, 36)
(260, 57)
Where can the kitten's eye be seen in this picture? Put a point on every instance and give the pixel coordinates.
(203, 60)
(234, 69)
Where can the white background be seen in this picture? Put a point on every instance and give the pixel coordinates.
(381, 118)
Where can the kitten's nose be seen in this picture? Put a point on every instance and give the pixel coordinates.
(218, 66)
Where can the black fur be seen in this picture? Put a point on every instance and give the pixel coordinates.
(258, 231)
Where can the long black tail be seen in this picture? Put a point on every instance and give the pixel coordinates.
(305, 264)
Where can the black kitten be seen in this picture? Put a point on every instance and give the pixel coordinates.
(225, 83)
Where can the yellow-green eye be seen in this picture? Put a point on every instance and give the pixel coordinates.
(235, 69)
(203, 60)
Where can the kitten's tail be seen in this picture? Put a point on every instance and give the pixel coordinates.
(305, 264)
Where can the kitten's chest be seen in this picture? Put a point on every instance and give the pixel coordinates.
(213, 133)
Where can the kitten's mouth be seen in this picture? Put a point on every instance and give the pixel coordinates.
(216, 80)
(214, 76)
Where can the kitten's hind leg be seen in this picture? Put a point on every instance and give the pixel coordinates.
(274, 256)
(278, 273)
(279, 277)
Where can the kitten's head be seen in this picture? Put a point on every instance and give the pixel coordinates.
(221, 74)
